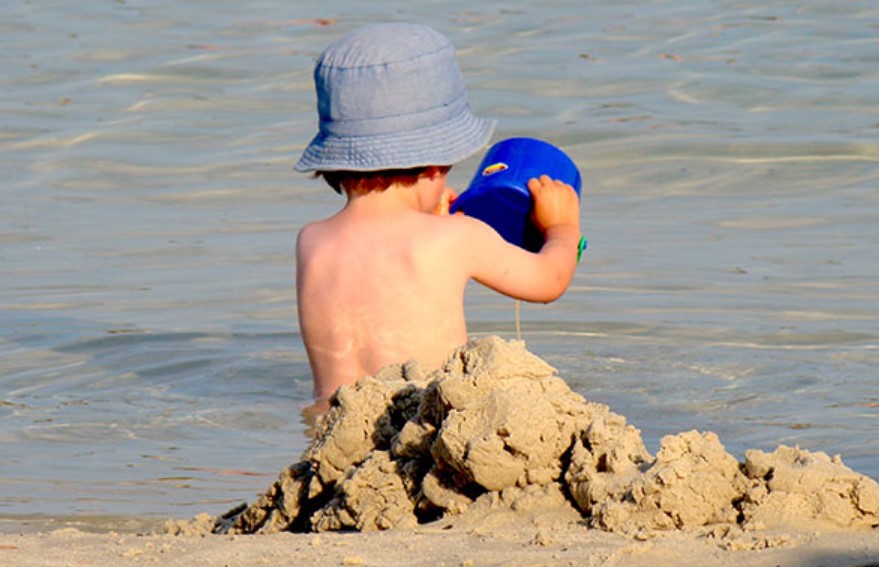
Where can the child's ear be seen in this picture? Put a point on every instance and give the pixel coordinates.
(431, 172)
(436, 171)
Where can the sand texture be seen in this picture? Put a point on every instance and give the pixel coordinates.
(496, 428)
(493, 460)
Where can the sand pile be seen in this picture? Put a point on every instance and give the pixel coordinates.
(496, 427)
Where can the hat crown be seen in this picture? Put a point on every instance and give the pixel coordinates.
(391, 96)
(388, 78)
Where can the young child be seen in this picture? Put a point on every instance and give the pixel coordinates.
(382, 281)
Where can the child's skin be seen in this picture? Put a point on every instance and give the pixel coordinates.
(382, 281)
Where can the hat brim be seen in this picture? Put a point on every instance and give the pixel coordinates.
(444, 144)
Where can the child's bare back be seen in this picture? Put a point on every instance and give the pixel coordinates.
(383, 280)
(376, 288)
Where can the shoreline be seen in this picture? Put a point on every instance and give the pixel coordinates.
(98, 524)
(500, 539)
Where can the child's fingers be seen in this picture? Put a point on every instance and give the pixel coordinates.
(448, 198)
(555, 202)
(453, 196)
(538, 181)
(536, 184)
(545, 182)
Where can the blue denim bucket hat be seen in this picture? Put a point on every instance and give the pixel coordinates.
(391, 96)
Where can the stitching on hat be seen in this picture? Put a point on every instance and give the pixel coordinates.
(324, 65)
(413, 113)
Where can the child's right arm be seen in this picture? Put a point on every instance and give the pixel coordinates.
(515, 272)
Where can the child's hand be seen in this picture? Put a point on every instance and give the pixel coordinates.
(555, 203)
(449, 197)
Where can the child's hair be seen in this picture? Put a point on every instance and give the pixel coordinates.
(367, 181)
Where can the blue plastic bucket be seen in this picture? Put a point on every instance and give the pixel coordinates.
(498, 194)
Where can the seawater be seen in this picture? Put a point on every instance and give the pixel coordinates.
(150, 362)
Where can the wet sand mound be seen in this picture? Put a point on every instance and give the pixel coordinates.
(495, 427)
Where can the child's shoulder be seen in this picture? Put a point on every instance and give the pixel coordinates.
(313, 234)
(312, 228)
(471, 227)
(465, 235)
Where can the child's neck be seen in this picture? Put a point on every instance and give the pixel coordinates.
(394, 198)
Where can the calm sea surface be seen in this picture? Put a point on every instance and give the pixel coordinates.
(150, 361)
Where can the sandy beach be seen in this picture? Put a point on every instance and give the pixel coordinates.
(488, 541)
